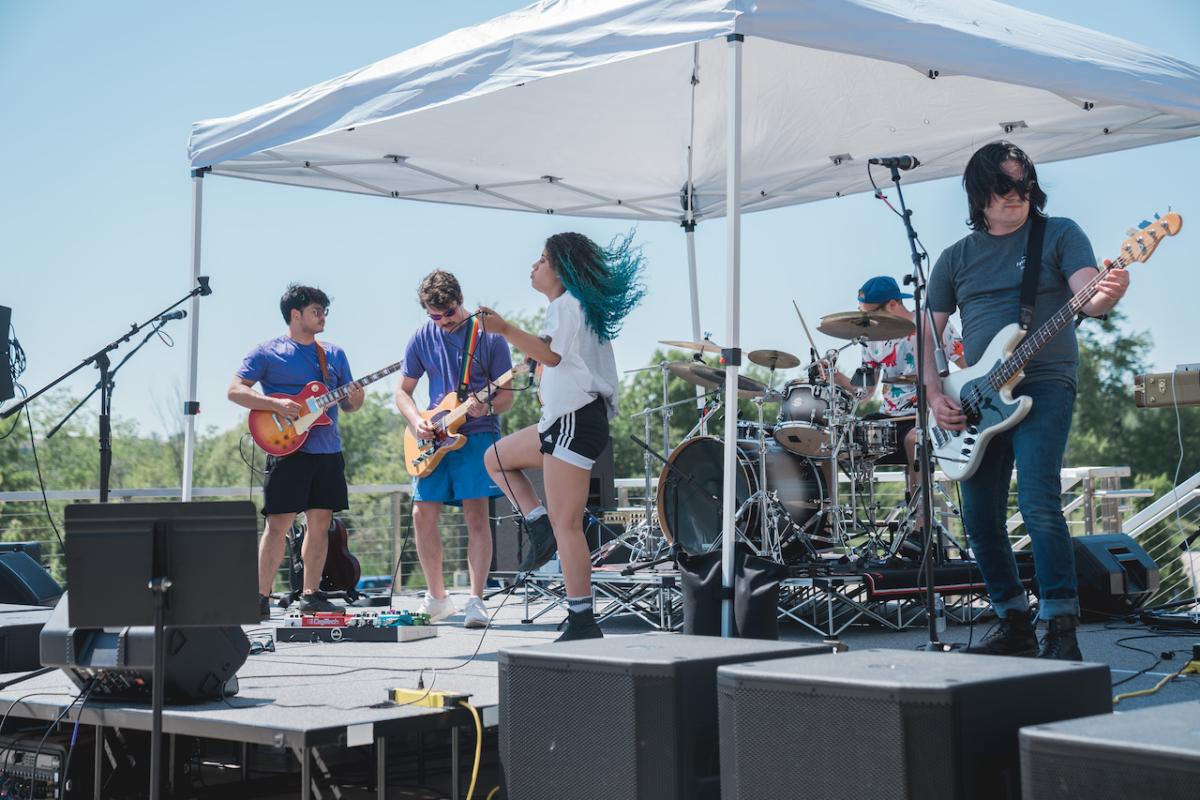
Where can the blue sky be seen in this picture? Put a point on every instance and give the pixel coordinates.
(96, 202)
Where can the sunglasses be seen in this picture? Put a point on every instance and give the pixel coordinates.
(1005, 184)
(444, 315)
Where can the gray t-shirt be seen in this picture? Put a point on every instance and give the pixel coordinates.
(980, 275)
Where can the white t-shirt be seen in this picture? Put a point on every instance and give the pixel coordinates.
(588, 368)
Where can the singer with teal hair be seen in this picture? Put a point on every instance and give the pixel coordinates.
(591, 290)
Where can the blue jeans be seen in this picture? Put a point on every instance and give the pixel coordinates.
(1036, 446)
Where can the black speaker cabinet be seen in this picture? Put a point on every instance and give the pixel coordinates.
(23, 581)
(202, 663)
(1116, 576)
(20, 631)
(625, 717)
(1149, 754)
(891, 724)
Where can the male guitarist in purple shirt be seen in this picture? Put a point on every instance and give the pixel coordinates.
(981, 275)
(452, 350)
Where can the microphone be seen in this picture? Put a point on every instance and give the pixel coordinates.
(899, 162)
(173, 315)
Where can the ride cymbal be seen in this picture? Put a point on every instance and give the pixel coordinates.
(873, 325)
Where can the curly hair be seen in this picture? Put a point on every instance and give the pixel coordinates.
(605, 280)
(439, 290)
(298, 297)
(983, 173)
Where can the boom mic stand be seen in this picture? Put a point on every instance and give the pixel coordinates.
(923, 320)
(102, 362)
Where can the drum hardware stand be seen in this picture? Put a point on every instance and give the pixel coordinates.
(923, 319)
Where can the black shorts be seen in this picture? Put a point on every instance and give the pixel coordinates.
(302, 481)
(578, 438)
(902, 427)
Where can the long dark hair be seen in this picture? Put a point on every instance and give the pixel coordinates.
(983, 172)
(605, 280)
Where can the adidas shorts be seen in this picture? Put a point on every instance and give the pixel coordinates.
(578, 438)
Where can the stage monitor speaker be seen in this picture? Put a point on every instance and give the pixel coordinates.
(24, 581)
(1116, 576)
(201, 665)
(20, 630)
(1148, 754)
(891, 723)
(627, 717)
(507, 537)
(6, 380)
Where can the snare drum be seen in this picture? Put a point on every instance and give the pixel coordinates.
(873, 438)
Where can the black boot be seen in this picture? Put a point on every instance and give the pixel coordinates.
(1012, 636)
(264, 608)
(580, 625)
(1059, 641)
(539, 543)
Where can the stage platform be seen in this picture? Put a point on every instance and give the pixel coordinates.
(309, 698)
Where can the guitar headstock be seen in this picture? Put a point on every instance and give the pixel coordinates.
(1142, 242)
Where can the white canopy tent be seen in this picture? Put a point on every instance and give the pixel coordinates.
(605, 108)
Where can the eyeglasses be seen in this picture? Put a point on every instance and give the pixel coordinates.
(319, 311)
(444, 315)
(1005, 184)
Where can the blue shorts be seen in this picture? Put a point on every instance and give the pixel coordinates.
(460, 475)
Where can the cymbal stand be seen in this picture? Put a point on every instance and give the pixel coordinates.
(840, 427)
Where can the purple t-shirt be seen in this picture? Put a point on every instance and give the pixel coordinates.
(439, 355)
(284, 366)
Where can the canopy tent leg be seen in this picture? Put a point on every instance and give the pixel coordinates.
(733, 254)
(190, 406)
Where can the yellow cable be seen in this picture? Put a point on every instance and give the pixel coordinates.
(1191, 666)
(492, 793)
(478, 745)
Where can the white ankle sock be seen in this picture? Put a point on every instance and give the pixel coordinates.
(536, 514)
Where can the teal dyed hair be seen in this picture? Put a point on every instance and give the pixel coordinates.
(605, 280)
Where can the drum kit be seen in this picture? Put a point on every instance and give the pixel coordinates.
(791, 505)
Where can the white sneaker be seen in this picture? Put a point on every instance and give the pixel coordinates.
(475, 614)
(437, 608)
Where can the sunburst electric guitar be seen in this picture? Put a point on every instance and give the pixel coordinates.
(984, 390)
(280, 437)
(421, 456)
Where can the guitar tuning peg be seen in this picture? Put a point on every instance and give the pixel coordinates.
(1131, 232)
(1144, 224)
(1156, 216)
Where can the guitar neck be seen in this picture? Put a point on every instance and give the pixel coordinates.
(1006, 370)
(342, 392)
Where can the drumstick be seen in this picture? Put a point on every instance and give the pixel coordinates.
(803, 324)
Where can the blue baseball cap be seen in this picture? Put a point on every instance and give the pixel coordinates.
(881, 289)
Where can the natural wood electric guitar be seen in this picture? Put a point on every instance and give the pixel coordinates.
(984, 390)
(282, 437)
(421, 456)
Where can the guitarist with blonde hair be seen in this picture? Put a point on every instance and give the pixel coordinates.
(983, 276)
(453, 351)
(313, 479)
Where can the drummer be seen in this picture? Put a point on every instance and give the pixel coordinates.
(892, 363)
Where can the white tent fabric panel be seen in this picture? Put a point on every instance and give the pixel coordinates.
(472, 119)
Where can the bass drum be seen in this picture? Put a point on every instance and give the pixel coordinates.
(691, 519)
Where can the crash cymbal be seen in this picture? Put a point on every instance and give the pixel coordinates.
(704, 348)
(773, 359)
(714, 378)
(871, 324)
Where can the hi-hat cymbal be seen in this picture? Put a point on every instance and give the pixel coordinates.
(773, 359)
(714, 378)
(870, 324)
(704, 348)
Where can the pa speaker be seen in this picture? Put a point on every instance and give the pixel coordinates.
(1116, 576)
(1148, 754)
(891, 723)
(627, 717)
(201, 663)
(24, 581)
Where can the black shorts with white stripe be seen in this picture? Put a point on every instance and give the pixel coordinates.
(578, 437)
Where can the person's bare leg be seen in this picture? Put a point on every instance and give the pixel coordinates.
(479, 543)
(505, 462)
(912, 477)
(270, 550)
(567, 490)
(316, 547)
(426, 516)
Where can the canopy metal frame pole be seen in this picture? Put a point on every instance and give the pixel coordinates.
(732, 355)
(190, 406)
(689, 221)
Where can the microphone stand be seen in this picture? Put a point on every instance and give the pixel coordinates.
(102, 362)
(923, 320)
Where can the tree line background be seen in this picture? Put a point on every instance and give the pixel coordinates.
(1107, 430)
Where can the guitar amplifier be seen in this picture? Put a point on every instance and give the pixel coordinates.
(1168, 389)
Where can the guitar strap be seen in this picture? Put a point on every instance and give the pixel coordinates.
(464, 381)
(1033, 266)
(324, 364)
